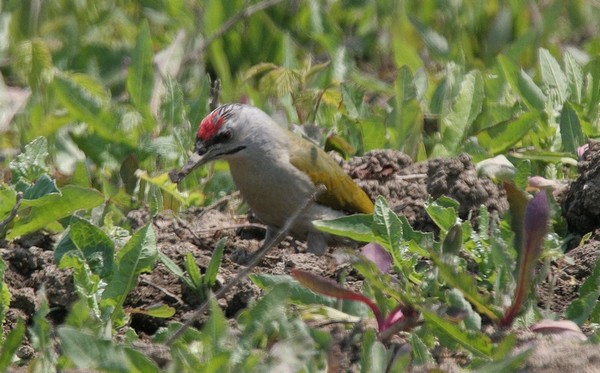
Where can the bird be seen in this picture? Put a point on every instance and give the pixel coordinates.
(278, 172)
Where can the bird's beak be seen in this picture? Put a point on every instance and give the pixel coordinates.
(201, 155)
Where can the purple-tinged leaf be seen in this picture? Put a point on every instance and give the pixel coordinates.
(395, 316)
(378, 255)
(581, 150)
(565, 328)
(331, 288)
(537, 215)
(535, 226)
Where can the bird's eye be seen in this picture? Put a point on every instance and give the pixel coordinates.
(223, 136)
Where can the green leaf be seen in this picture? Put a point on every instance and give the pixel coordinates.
(92, 244)
(32, 58)
(10, 345)
(453, 240)
(38, 213)
(157, 310)
(31, 164)
(373, 357)
(210, 276)
(533, 95)
(436, 42)
(574, 77)
(356, 227)
(4, 295)
(137, 256)
(444, 217)
(420, 352)
(8, 199)
(500, 137)
(297, 292)
(140, 75)
(87, 351)
(216, 328)
(475, 342)
(86, 101)
(456, 124)
(553, 78)
(386, 227)
(522, 84)
(192, 270)
(570, 129)
(170, 264)
(456, 300)
(43, 185)
(465, 283)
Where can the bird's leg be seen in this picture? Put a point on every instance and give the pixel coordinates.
(316, 243)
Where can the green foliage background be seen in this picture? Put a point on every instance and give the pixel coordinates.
(99, 99)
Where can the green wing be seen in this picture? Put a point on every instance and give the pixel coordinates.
(341, 192)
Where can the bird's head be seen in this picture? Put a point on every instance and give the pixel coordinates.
(231, 131)
(219, 134)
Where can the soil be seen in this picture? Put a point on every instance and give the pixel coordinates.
(406, 185)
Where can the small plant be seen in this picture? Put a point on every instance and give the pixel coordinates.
(200, 285)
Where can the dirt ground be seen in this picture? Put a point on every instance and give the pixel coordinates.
(406, 187)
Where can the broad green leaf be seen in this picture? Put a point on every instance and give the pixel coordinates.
(386, 227)
(172, 108)
(553, 78)
(522, 84)
(500, 137)
(405, 52)
(297, 292)
(31, 59)
(8, 199)
(574, 77)
(138, 255)
(356, 227)
(51, 207)
(31, 164)
(94, 245)
(531, 93)
(456, 124)
(43, 185)
(474, 342)
(436, 42)
(87, 351)
(570, 129)
(86, 100)
(373, 133)
(140, 75)
(210, 276)
(10, 345)
(373, 357)
(157, 310)
(420, 352)
(215, 329)
(444, 217)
